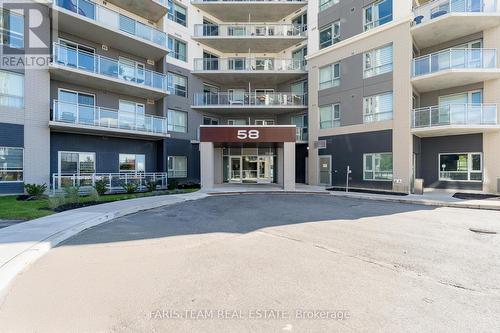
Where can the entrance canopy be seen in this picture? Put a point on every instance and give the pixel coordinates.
(248, 134)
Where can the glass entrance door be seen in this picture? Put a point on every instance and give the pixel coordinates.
(265, 169)
(235, 169)
(325, 170)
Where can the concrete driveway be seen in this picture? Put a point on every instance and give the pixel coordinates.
(269, 263)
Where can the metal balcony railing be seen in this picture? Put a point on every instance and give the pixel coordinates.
(114, 181)
(114, 20)
(250, 30)
(89, 115)
(96, 64)
(455, 114)
(248, 64)
(438, 8)
(249, 99)
(455, 59)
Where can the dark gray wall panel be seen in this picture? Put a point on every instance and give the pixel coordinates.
(177, 147)
(11, 135)
(432, 147)
(301, 153)
(347, 150)
(107, 150)
(12, 188)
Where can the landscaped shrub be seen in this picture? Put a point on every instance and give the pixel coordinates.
(94, 195)
(35, 190)
(151, 186)
(172, 184)
(57, 201)
(130, 187)
(101, 187)
(72, 194)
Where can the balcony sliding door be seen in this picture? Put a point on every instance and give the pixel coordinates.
(75, 107)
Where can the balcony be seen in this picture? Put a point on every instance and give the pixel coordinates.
(97, 23)
(302, 134)
(89, 69)
(114, 181)
(260, 38)
(453, 68)
(152, 10)
(454, 119)
(89, 119)
(257, 10)
(256, 103)
(440, 21)
(240, 70)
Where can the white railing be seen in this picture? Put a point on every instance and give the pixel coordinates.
(177, 173)
(248, 64)
(89, 115)
(71, 57)
(455, 59)
(438, 8)
(455, 114)
(378, 116)
(249, 30)
(249, 99)
(114, 20)
(114, 181)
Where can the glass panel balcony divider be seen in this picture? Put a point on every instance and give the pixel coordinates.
(455, 59)
(89, 115)
(249, 99)
(114, 20)
(438, 8)
(249, 30)
(248, 64)
(455, 114)
(93, 63)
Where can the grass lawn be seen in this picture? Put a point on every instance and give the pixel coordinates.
(11, 209)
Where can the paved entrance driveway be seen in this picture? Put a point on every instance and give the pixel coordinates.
(381, 266)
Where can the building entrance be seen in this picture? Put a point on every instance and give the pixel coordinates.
(256, 167)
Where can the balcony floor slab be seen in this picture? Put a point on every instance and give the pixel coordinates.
(149, 9)
(453, 130)
(252, 109)
(453, 78)
(258, 78)
(239, 44)
(95, 130)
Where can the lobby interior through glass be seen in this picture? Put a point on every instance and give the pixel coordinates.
(250, 165)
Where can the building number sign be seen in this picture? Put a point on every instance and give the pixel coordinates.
(248, 134)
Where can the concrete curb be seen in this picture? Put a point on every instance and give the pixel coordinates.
(78, 220)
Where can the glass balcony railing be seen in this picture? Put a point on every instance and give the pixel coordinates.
(455, 114)
(114, 20)
(455, 59)
(246, 99)
(90, 115)
(302, 134)
(96, 64)
(250, 30)
(438, 8)
(266, 1)
(248, 64)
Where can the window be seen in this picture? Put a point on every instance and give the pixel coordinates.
(301, 20)
(75, 106)
(131, 115)
(329, 35)
(11, 89)
(329, 76)
(132, 163)
(11, 164)
(299, 57)
(378, 61)
(378, 13)
(210, 62)
(11, 29)
(177, 121)
(264, 122)
(377, 166)
(210, 121)
(301, 121)
(71, 163)
(378, 108)
(237, 122)
(177, 166)
(176, 13)
(329, 116)
(177, 84)
(177, 49)
(461, 167)
(324, 4)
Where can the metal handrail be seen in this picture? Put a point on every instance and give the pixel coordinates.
(98, 64)
(88, 115)
(454, 114)
(250, 99)
(249, 30)
(113, 19)
(248, 64)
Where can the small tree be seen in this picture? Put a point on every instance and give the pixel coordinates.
(101, 186)
(35, 190)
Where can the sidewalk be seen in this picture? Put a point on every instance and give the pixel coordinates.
(24, 243)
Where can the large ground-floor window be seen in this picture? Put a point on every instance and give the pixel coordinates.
(132, 163)
(377, 166)
(177, 166)
(461, 167)
(11, 164)
(76, 162)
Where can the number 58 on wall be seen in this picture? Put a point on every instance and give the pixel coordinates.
(248, 134)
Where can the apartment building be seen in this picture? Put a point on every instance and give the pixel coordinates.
(373, 94)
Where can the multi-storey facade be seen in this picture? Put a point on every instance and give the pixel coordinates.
(374, 93)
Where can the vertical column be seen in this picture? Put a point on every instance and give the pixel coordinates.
(281, 161)
(218, 166)
(207, 161)
(289, 166)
